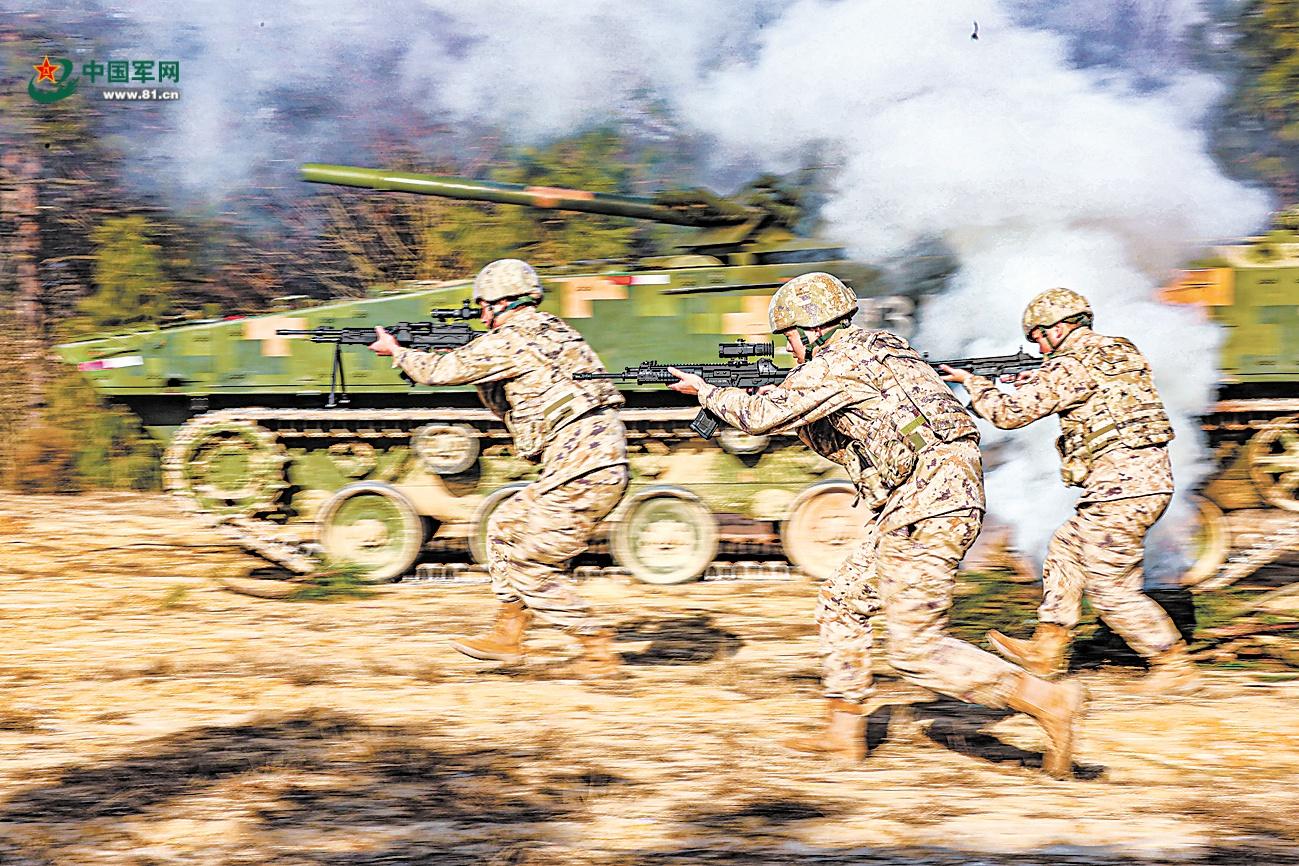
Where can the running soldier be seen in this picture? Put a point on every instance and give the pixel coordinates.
(868, 401)
(523, 369)
(1114, 436)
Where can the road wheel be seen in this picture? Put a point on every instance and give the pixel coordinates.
(226, 467)
(446, 449)
(373, 526)
(823, 527)
(1210, 543)
(1273, 455)
(663, 535)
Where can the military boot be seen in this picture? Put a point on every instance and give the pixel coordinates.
(844, 735)
(1172, 673)
(598, 658)
(504, 643)
(1042, 654)
(1057, 707)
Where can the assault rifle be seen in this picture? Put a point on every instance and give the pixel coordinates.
(437, 335)
(994, 366)
(736, 373)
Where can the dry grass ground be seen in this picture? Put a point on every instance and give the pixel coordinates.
(151, 717)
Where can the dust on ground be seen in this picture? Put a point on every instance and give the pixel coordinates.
(152, 717)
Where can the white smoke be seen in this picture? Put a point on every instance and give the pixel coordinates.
(1063, 146)
(1035, 172)
(543, 69)
(266, 86)
(995, 282)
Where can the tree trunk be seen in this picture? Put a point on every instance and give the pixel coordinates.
(25, 360)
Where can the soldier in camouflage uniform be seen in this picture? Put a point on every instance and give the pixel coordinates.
(1114, 436)
(523, 369)
(868, 401)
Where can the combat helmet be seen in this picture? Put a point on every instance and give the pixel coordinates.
(810, 300)
(1053, 306)
(507, 278)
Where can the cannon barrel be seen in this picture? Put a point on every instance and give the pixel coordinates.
(698, 207)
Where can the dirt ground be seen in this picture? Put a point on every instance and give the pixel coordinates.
(151, 717)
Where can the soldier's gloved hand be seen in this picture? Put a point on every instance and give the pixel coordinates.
(687, 383)
(386, 343)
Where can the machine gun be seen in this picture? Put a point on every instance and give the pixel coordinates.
(737, 373)
(437, 335)
(993, 366)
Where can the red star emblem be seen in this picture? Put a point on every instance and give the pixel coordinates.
(45, 72)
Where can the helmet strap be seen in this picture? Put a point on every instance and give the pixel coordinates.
(497, 312)
(524, 301)
(825, 337)
(812, 345)
(1078, 319)
(807, 343)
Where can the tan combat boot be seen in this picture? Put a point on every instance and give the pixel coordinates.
(1056, 707)
(1172, 673)
(504, 643)
(1042, 654)
(844, 734)
(598, 659)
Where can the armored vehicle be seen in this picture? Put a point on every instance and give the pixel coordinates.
(1251, 288)
(399, 475)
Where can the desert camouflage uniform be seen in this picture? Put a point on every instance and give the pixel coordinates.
(523, 370)
(914, 456)
(1113, 444)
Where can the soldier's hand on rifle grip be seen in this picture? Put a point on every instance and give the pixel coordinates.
(687, 383)
(385, 344)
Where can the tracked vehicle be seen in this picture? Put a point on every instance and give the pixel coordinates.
(400, 476)
(1250, 512)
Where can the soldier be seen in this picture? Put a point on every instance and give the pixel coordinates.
(868, 401)
(1114, 436)
(523, 369)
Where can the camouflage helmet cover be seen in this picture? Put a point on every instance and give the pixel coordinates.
(506, 278)
(1052, 306)
(810, 300)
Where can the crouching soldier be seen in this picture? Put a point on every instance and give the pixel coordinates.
(523, 369)
(868, 401)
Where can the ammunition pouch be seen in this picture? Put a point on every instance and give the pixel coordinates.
(889, 452)
(871, 487)
(1074, 467)
(532, 426)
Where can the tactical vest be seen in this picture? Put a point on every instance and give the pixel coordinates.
(1123, 412)
(546, 397)
(917, 411)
